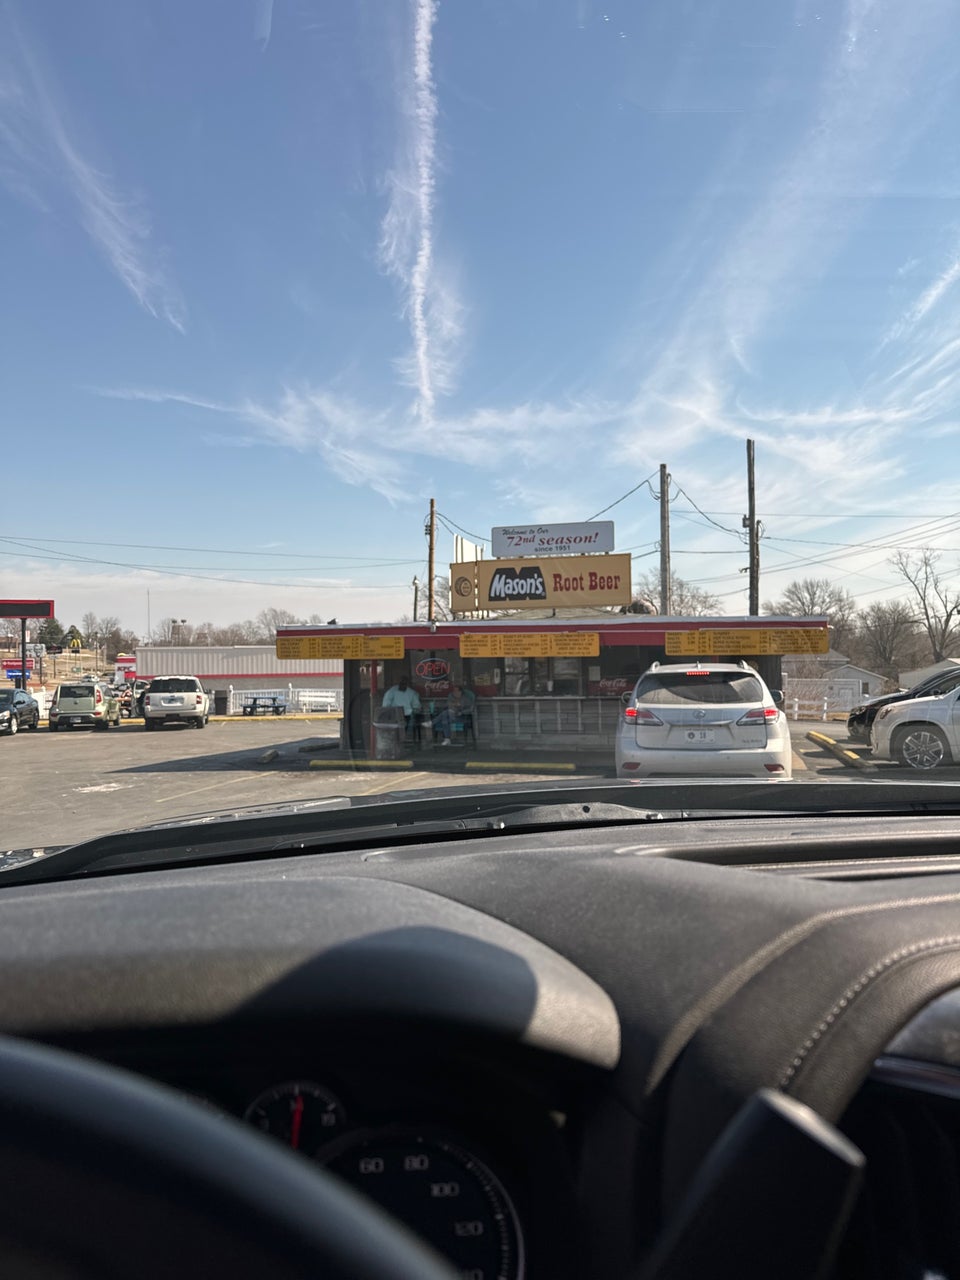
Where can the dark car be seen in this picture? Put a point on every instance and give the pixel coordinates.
(18, 710)
(861, 718)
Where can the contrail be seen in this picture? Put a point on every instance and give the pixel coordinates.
(406, 235)
(425, 114)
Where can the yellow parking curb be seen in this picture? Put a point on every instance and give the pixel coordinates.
(514, 766)
(845, 756)
(346, 765)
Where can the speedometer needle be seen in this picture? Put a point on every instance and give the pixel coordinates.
(297, 1120)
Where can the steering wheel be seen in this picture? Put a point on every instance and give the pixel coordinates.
(103, 1174)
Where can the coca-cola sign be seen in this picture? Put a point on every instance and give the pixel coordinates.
(610, 686)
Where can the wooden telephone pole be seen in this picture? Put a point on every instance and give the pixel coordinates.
(665, 602)
(431, 555)
(752, 526)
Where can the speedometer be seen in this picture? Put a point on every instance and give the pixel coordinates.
(303, 1115)
(441, 1191)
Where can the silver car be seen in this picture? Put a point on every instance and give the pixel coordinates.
(921, 734)
(700, 719)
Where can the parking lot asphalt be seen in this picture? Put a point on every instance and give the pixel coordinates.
(59, 788)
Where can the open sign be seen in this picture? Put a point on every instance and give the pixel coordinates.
(433, 669)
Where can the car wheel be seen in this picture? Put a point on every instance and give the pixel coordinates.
(921, 747)
(35, 722)
(52, 727)
(14, 726)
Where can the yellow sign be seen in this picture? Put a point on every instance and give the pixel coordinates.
(682, 644)
(746, 641)
(538, 583)
(346, 647)
(559, 644)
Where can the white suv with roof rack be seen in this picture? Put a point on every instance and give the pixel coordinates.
(175, 700)
(702, 719)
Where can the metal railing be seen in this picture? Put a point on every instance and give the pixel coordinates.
(304, 700)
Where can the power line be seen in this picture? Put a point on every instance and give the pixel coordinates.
(199, 577)
(625, 495)
(738, 533)
(223, 551)
(479, 536)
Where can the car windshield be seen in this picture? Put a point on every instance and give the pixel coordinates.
(462, 373)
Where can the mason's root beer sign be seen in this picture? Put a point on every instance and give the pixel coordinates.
(557, 581)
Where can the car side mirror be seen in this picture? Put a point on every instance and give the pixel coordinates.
(777, 695)
(625, 697)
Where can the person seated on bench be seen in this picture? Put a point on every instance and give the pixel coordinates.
(459, 709)
(407, 699)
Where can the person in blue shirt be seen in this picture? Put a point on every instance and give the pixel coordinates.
(405, 697)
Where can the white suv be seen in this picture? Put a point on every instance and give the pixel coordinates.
(697, 719)
(175, 700)
(921, 733)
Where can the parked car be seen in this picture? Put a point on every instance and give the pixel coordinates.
(920, 734)
(861, 718)
(18, 710)
(83, 703)
(175, 700)
(703, 719)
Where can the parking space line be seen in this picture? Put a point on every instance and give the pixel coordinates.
(391, 783)
(225, 782)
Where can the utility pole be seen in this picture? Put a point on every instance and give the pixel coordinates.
(753, 536)
(431, 532)
(416, 596)
(665, 603)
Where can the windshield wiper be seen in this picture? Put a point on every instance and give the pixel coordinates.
(351, 822)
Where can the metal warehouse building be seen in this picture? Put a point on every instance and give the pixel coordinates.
(243, 668)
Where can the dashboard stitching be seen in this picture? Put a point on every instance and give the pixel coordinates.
(687, 1025)
(855, 989)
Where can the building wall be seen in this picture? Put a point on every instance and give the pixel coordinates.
(253, 666)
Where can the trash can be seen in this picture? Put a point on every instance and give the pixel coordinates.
(220, 702)
(388, 730)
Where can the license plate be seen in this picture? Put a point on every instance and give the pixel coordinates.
(698, 737)
(173, 702)
(76, 719)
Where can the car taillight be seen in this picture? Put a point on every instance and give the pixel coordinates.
(199, 699)
(774, 768)
(640, 715)
(759, 715)
(98, 696)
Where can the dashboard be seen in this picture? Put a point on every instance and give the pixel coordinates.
(475, 1150)
(526, 1048)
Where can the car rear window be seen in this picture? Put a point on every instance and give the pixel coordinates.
(174, 684)
(75, 691)
(713, 686)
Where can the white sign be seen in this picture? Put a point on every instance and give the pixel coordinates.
(512, 540)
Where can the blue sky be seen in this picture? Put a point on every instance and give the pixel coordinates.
(285, 270)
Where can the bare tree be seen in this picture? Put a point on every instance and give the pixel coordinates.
(889, 638)
(938, 604)
(816, 597)
(686, 600)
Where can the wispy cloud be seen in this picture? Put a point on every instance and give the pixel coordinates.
(38, 154)
(927, 300)
(263, 23)
(407, 250)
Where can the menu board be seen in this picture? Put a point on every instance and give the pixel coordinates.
(531, 644)
(348, 647)
(746, 641)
